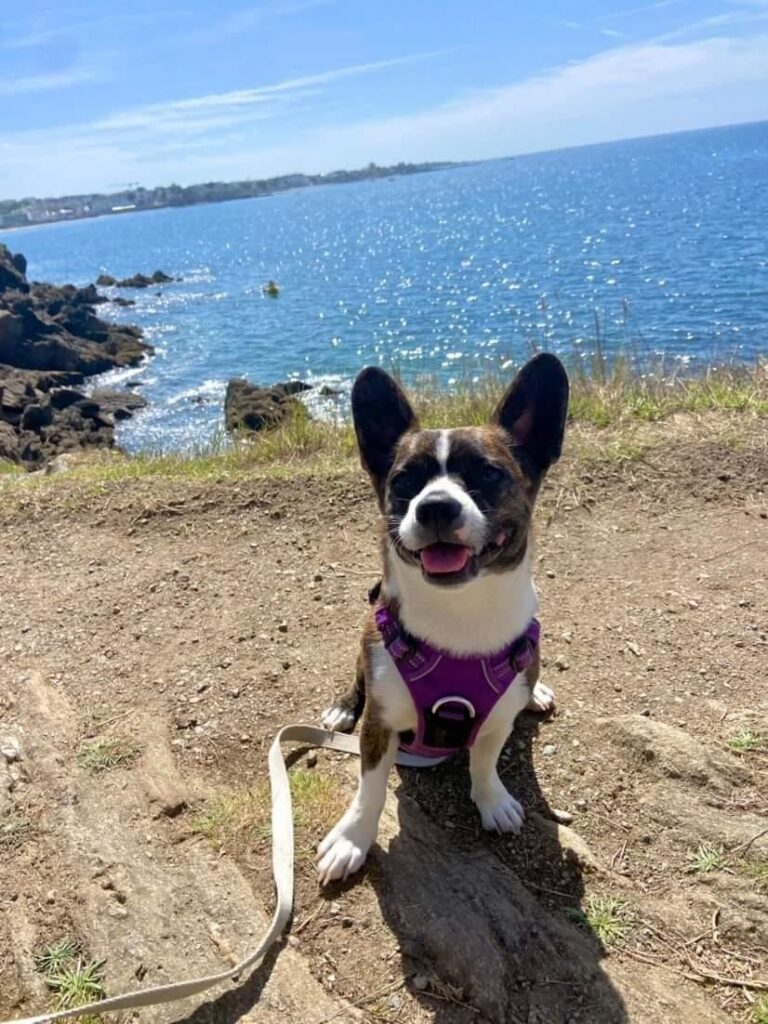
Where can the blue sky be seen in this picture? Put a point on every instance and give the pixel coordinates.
(96, 96)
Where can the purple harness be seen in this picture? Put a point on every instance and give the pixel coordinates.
(453, 695)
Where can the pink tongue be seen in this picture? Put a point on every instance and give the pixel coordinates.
(443, 558)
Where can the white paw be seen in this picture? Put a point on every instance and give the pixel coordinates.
(342, 852)
(337, 719)
(542, 698)
(500, 812)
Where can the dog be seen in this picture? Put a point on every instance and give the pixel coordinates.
(449, 655)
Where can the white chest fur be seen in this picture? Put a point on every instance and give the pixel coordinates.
(479, 618)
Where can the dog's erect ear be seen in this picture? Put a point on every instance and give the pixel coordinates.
(533, 412)
(382, 415)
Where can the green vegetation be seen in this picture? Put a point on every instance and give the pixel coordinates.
(56, 957)
(102, 755)
(13, 830)
(74, 980)
(612, 409)
(746, 740)
(237, 820)
(707, 858)
(760, 1011)
(79, 984)
(607, 917)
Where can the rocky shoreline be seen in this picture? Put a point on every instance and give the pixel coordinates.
(51, 341)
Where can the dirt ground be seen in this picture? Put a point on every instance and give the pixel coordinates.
(183, 624)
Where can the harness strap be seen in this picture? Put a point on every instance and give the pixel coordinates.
(404, 648)
(282, 870)
(453, 694)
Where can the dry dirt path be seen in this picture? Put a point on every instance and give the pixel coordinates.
(183, 624)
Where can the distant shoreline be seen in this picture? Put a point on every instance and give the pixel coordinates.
(28, 213)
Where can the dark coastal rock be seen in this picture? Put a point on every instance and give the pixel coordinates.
(9, 443)
(248, 407)
(55, 298)
(119, 404)
(105, 281)
(20, 262)
(42, 414)
(57, 329)
(11, 328)
(50, 340)
(140, 280)
(13, 271)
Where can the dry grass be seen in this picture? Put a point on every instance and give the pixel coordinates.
(610, 409)
(104, 754)
(239, 820)
(74, 979)
(607, 917)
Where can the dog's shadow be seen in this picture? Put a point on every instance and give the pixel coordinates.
(490, 928)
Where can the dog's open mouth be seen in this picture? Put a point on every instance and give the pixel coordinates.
(448, 564)
(445, 559)
(457, 563)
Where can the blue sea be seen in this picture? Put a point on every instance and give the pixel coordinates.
(658, 246)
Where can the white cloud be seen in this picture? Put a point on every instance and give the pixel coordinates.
(217, 111)
(627, 90)
(30, 41)
(249, 18)
(628, 12)
(47, 82)
(576, 102)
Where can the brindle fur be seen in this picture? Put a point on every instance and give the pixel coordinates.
(467, 443)
(532, 672)
(374, 737)
(510, 508)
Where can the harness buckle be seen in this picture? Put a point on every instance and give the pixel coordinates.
(523, 654)
(448, 723)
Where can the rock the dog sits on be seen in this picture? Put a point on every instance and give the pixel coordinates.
(449, 654)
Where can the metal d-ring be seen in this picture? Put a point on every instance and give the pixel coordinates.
(454, 700)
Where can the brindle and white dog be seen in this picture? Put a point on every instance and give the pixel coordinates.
(456, 509)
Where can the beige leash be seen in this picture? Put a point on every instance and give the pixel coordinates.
(282, 870)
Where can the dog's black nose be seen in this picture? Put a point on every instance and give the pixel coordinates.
(437, 510)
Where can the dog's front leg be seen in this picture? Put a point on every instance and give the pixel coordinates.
(344, 849)
(499, 810)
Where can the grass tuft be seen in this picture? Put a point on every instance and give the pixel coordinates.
(59, 955)
(606, 917)
(74, 980)
(103, 755)
(13, 830)
(760, 1011)
(746, 741)
(236, 820)
(78, 984)
(707, 858)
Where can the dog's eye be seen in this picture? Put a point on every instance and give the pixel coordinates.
(406, 484)
(492, 475)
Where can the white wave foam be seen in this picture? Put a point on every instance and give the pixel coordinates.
(208, 391)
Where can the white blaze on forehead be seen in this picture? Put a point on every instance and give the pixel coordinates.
(473, 528)
(443, 450)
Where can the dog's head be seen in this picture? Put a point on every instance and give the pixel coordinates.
(459, 502)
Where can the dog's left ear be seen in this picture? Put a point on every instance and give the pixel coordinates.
(533, 412)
